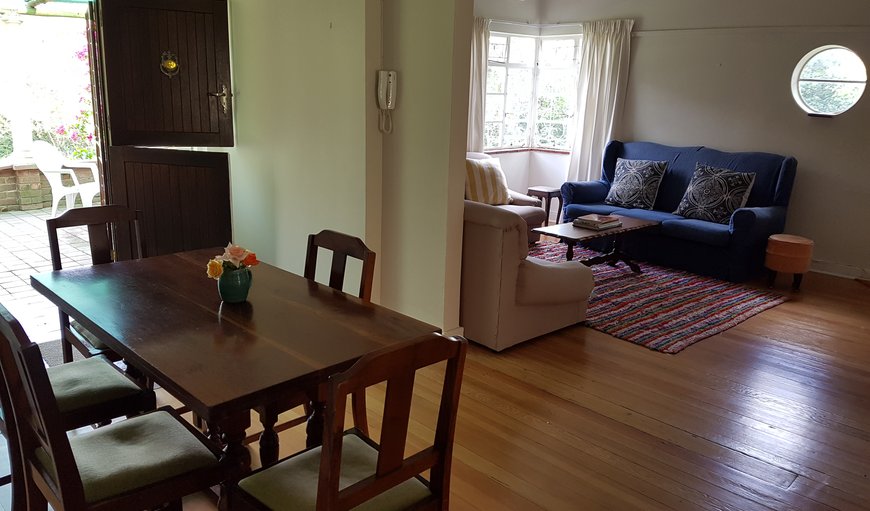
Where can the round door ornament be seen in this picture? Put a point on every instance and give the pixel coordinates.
(169, 64)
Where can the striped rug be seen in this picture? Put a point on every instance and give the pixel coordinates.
(663, 309)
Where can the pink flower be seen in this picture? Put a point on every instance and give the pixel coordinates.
(60, 130)
(234, 254)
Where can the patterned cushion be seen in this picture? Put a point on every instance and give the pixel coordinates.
(636, 183)
(485, 182)
(714, 194)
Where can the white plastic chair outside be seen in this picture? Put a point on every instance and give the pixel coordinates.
(50, 162)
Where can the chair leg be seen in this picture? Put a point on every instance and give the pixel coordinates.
(66, 348)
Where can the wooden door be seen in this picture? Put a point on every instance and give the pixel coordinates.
(167, 74)
(184, 197)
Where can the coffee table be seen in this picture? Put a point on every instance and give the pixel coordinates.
(571, 235)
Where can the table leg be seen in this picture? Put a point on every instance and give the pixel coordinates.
(612, 257)
(314, 428)
(570, 254)
(547, 210)
(232, 434)
(559, 213)
(268, 438)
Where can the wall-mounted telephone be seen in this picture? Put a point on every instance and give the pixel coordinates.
(386, 90)
(386, 99)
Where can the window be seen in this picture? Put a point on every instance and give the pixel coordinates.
(531, 91)
(829, 80)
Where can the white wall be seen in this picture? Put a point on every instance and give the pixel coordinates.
(299, 165)
(428, 44)
(718, 74)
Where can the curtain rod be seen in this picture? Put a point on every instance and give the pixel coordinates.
(535, 25)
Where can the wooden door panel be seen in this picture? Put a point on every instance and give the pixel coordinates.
(184, 196)
(147, 107)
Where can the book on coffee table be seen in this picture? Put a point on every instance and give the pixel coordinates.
(597, 222)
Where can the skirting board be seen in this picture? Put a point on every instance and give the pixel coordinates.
(840, 270)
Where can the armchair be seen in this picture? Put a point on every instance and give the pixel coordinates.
(524, 205)
(507, 297)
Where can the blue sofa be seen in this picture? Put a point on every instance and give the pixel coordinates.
(733, 251)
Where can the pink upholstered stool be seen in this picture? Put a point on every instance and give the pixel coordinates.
(788, 254)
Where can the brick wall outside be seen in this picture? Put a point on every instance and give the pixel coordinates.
(27, 189)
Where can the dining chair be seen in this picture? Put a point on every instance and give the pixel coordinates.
(105, 224)
(342, 246)
(50, 161)
(138, 463)
(87, 391)
(352, 470)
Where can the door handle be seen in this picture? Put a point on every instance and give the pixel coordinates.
(223, 96)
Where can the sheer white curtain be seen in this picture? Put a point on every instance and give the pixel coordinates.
(477, 89)
(600, 93)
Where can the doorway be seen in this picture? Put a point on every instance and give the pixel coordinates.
(46, 99)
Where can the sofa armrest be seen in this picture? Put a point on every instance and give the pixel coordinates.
(753, 225)
(541, 282)
(584, 192)
(521, 199)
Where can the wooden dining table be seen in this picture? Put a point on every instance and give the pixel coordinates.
(163, 315)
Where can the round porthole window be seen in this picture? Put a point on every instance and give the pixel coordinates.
(829, 80)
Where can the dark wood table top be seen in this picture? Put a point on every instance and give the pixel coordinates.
(164, 315)
(567, 231)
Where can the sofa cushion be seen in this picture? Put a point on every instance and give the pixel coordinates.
(700, 231)
(573, 211)
(714, 194)
(485, 182)
(645, 214)
(636, 183)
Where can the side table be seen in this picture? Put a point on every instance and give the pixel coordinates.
(790, 254)
(546, 193)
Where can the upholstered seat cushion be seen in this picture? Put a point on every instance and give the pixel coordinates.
(88, 382)
(708, 233)
(292, 484)
(91, 338)
(134, 453)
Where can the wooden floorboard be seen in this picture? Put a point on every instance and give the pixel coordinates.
(771, 414)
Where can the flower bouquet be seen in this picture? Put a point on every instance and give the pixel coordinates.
(232, 271)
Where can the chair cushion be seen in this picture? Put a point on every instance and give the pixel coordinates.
(88, 382)
(91, 338)
(714, 194)
(636, 183)
(646, 214)
(134, 453)
(485, 182)
(292, 483)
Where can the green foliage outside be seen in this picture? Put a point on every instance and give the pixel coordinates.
(5, 137)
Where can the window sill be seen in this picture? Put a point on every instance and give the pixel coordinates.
(526, 150)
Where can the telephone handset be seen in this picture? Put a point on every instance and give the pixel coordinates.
(386, 99)
(386, 90)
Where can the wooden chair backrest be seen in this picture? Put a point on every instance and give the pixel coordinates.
(9, 328)
(37, 418)
(397, 366)
(100, 221)
(342, 247)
